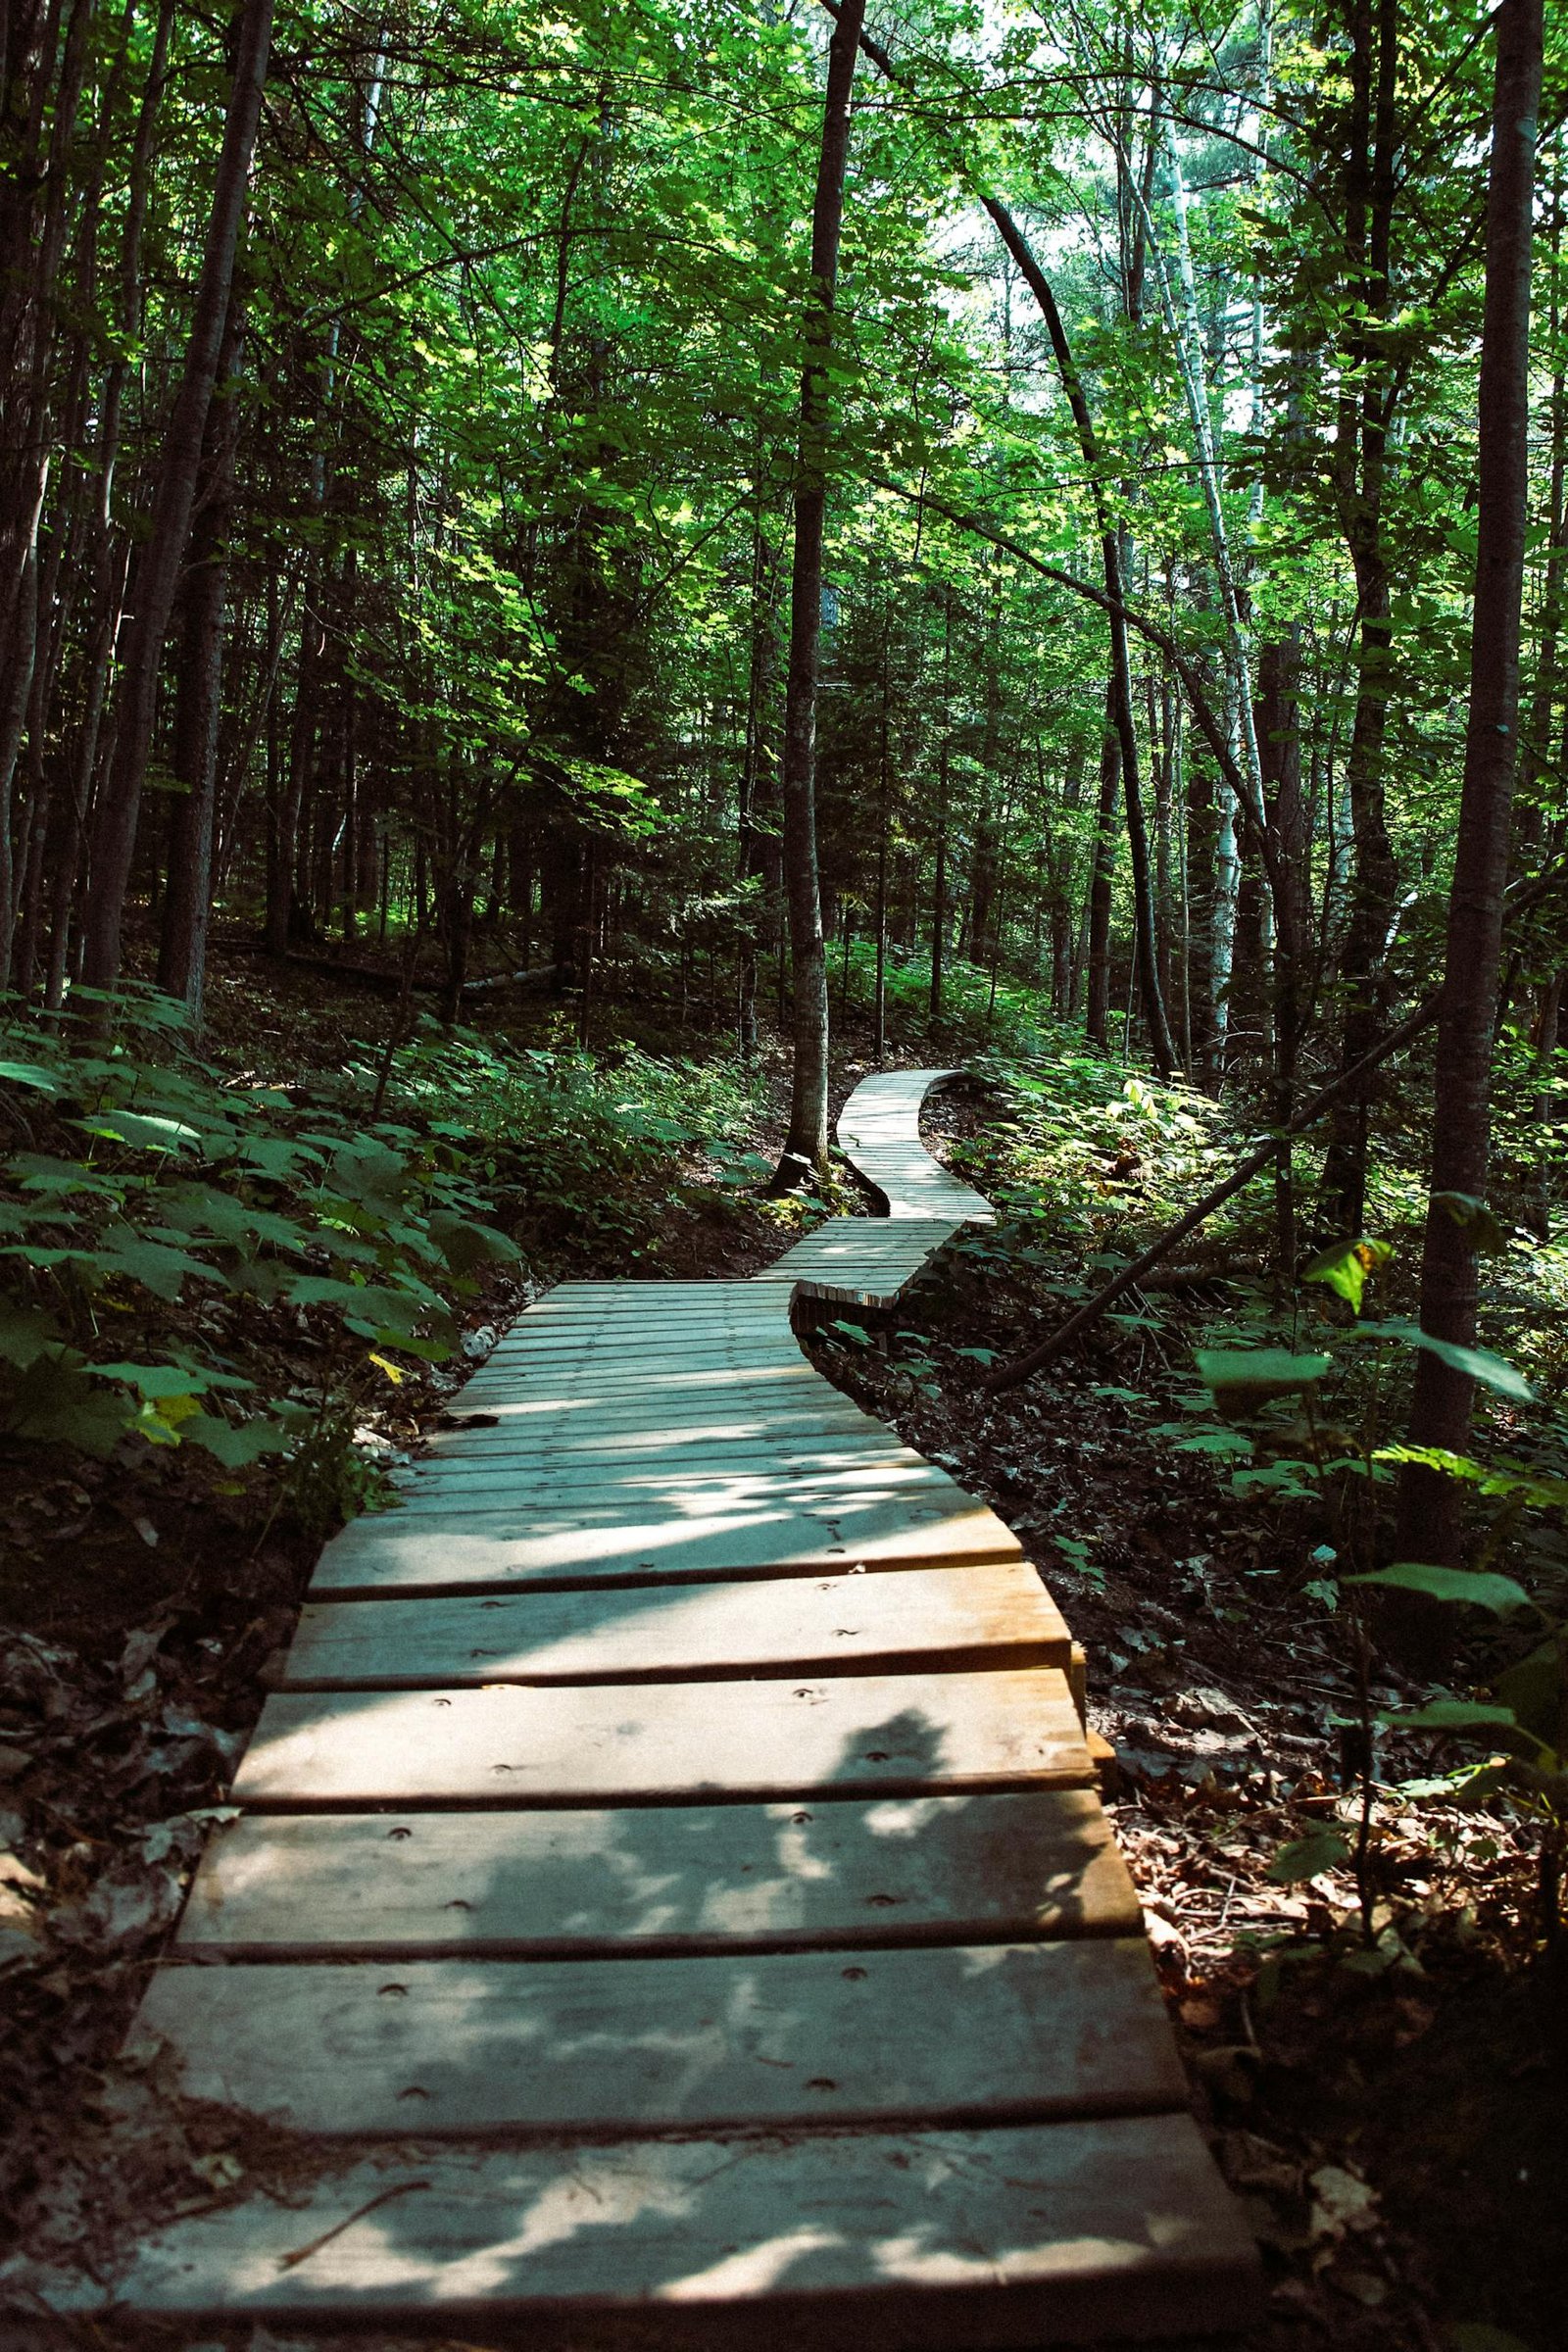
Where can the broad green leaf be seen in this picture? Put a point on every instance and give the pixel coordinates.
(54, 1403)
(158, 1268)
(1243, 1379)
(30, 1073)
(138, 1128)
(1449, 1715)
(1474, 1219)
(25, 1333)
(1347, 1266)
(465, 1243)
(1307, 1857)
(1483, 1590)
(1548, 1493)
(236, 1446)
(1479, 1362)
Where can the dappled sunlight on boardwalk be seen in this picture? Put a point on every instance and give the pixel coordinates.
(683, 1795)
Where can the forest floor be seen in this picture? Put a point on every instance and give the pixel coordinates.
(1395, 2129)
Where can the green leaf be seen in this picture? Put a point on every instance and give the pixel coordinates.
(158, 1268)
(1476, 2336)
(1243, 1379)
(1347, 1266)
(1499, 1594)
(855, 1333)
(135, 1127)
(25, 1333)
(237, 1447)
(1449, 1715)
(1475, 1220)
(1548, 1493)
(465, 1244)
(1307, 1857)
(30, 1073)
(979, 1355)
(54, 1403)
(1479, 1362)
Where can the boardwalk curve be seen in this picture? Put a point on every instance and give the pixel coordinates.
(670, 1888)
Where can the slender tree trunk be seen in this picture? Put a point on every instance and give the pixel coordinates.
(1359, 465)
(187, 899)
(1439, 1415)
(806, 1149)
(158, 569)
(1102, 866)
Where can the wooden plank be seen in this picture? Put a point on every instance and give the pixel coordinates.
(934, 2034)
(702, 1451)
(406, 1551)
(486, 1482)
(515, 1429)
(661, 1879)
(701, 1383)
(694, 1490)
(976, 1617)
(510, 1746)
(1061, 2232)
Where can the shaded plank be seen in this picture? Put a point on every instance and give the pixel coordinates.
(690, 1488)
(995, 1615)
(934, 1869)
(513, 1746)
(541, 1419)
(487, 1481)
(1054, 2233)
(404, 1551)
(950, 2033)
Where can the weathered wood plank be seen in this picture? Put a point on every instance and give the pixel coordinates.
(696, 1490)
(702, 1456)
(1062, 2233)
(662, 1877)
(404, 1551)
(508, 1745)
(511, 1432)
(934, 2034)
(700, 1442)
(995, 1615)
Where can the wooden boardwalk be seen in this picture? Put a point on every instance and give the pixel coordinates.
(670, 1888)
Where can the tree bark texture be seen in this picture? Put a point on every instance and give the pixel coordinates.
(157, 576)
(806, 1149)
(1430, 1504)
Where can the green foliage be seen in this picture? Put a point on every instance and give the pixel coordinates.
(1242, 1380)
(593, 1146)
(175, 1206)
(1477, 1588)
(1087, 1156)
(1306, 1857)
(1347, 1267)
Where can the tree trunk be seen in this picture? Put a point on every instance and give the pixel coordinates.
(806, 1149)
(1102, 866)
(187, 899)
(1439, 1415)
(158, 571)
(1359, 467)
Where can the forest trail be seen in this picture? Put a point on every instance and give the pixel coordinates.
(670, 1893)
